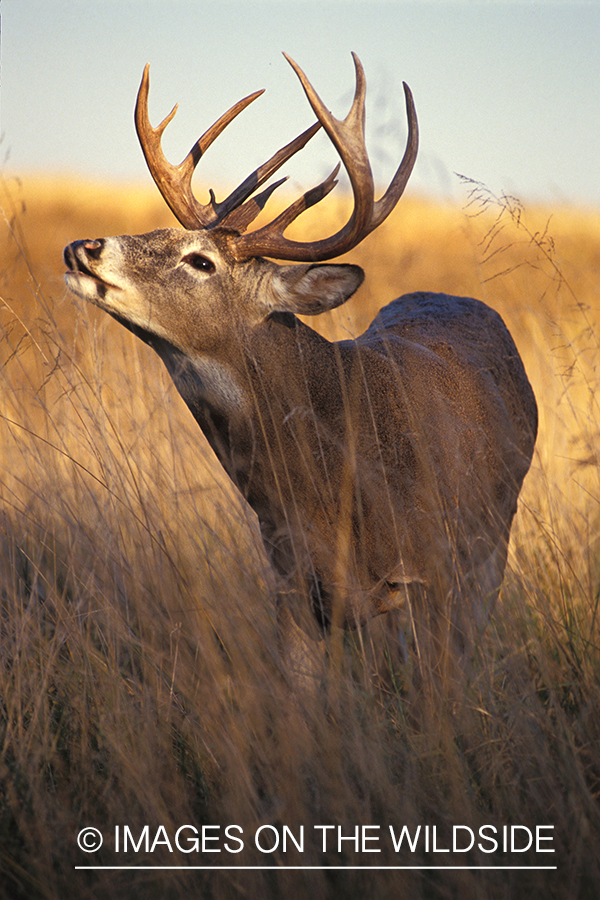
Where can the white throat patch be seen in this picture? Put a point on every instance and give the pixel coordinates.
(213, 381)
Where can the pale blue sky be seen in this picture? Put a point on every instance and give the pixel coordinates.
(507, 93)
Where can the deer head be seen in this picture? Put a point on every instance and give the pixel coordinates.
(192, 294)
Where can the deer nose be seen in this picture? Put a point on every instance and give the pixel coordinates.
(79, 250)
(93, 248)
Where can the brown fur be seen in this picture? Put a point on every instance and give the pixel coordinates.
(382, 470)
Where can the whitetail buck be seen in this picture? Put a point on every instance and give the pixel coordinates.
(383, 470)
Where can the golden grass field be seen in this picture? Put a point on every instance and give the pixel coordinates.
(139, 678)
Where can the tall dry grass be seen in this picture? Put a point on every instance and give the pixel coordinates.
(139, 678)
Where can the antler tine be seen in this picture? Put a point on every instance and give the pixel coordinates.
(175, 182)
(233, 212)
(385, 204)
(348, 137)
(251, 209)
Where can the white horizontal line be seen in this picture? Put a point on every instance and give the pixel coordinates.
(322, 868)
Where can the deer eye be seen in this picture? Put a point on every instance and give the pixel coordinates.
(199, 262)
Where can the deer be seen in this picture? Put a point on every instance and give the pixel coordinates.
(384, 470)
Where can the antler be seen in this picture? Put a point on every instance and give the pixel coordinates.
(348, 137)
(237, 211)
(175, 182)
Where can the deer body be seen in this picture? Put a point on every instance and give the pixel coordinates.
(374, 465)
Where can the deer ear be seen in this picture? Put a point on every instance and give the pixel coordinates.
(312, 289)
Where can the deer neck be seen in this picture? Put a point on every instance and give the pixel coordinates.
(245, 398)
